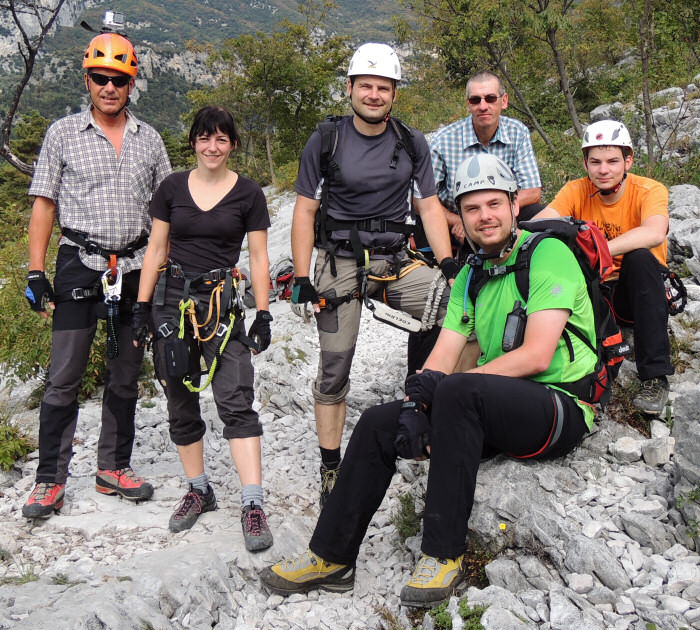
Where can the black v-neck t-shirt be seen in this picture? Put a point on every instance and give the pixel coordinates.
(204, 240)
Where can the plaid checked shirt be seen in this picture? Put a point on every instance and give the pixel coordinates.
(96, 192)
(453, 144)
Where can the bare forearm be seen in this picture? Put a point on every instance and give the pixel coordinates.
(528, 196)
(260, 272)
(636, 238)
(39, 233)
(303, 226)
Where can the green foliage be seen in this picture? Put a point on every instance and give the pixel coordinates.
(25, 339)
(471, 616)
(13, 444)
(560, 165)
(278, 86)
(25, 574)
(405, 518)
(287, 175)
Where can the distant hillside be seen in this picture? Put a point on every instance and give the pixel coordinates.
(160, 30)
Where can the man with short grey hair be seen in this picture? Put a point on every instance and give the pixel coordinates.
(485, 130)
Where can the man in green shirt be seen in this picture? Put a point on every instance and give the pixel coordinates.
(506, 404)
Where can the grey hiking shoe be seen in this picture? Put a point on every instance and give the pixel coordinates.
(652, 396)
(306, 572)
(256, 532)
(328, 479)
(194, 503)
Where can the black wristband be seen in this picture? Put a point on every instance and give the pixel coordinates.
(449, 268)
(263, 316)
(35, 274)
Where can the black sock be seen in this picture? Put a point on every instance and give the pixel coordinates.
(330, 457)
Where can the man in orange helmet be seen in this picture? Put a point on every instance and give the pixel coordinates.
(95, 176)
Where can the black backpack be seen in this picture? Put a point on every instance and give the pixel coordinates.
(330, 170)
(590, 249)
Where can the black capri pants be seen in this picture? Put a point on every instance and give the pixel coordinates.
(232, 384)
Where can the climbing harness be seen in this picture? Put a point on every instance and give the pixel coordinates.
(225, 297)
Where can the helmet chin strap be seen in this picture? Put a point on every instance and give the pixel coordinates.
(610, 191)
(115, 114)
(507, 248)
(372, 122)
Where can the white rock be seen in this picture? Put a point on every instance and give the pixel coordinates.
(658, 452)
(626, 449)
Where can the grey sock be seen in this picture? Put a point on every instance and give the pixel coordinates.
(200, 482)
(252, 493)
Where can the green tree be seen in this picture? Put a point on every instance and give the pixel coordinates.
(277, 85)
(468, 36)
(25, 14)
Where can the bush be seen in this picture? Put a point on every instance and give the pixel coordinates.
(13, 445)
(25, 338)
(287, 175)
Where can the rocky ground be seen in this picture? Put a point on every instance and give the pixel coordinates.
(605, 538)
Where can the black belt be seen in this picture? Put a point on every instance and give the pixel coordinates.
(91, 247)
(346, 246)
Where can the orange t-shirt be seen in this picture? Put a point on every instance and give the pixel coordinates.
(643, 198)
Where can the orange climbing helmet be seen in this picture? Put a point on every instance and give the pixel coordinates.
(110, 50)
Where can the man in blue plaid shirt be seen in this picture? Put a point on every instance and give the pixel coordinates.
(485, 130)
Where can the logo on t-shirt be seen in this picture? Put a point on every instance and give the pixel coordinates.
(556, 289)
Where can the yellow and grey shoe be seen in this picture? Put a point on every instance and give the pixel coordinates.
(433, 581)
(306, 572)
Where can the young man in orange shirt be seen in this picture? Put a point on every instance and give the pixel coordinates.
(632, 212)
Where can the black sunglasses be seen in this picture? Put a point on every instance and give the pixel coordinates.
(475, 100)
(119, 81)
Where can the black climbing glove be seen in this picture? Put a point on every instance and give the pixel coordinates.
(304, 291)
(413, 433)
(39, 291)
(421, 387)
(141, 323)
(449, 267)
(260, 330)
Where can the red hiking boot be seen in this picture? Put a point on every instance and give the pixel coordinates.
(44, 499)
(124, 482)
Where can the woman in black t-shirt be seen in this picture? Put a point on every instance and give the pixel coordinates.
(200, 218)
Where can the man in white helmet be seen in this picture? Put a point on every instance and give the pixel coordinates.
(632, 212)
(512, 402)
(355, 215)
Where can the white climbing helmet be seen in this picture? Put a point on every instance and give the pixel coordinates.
(483, 172)
(378, 60)
(606, 133)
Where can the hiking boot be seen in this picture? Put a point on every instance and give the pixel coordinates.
(44, 499)
(328, 479)
(307, 572)
(124, 482)
(256, 533)
(652, 396)
(433, 581)
(194, 503)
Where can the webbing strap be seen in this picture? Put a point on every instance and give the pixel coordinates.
(187, 381)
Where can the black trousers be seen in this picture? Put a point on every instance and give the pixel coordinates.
(471, 413)
(639, 300)
(74, 328)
